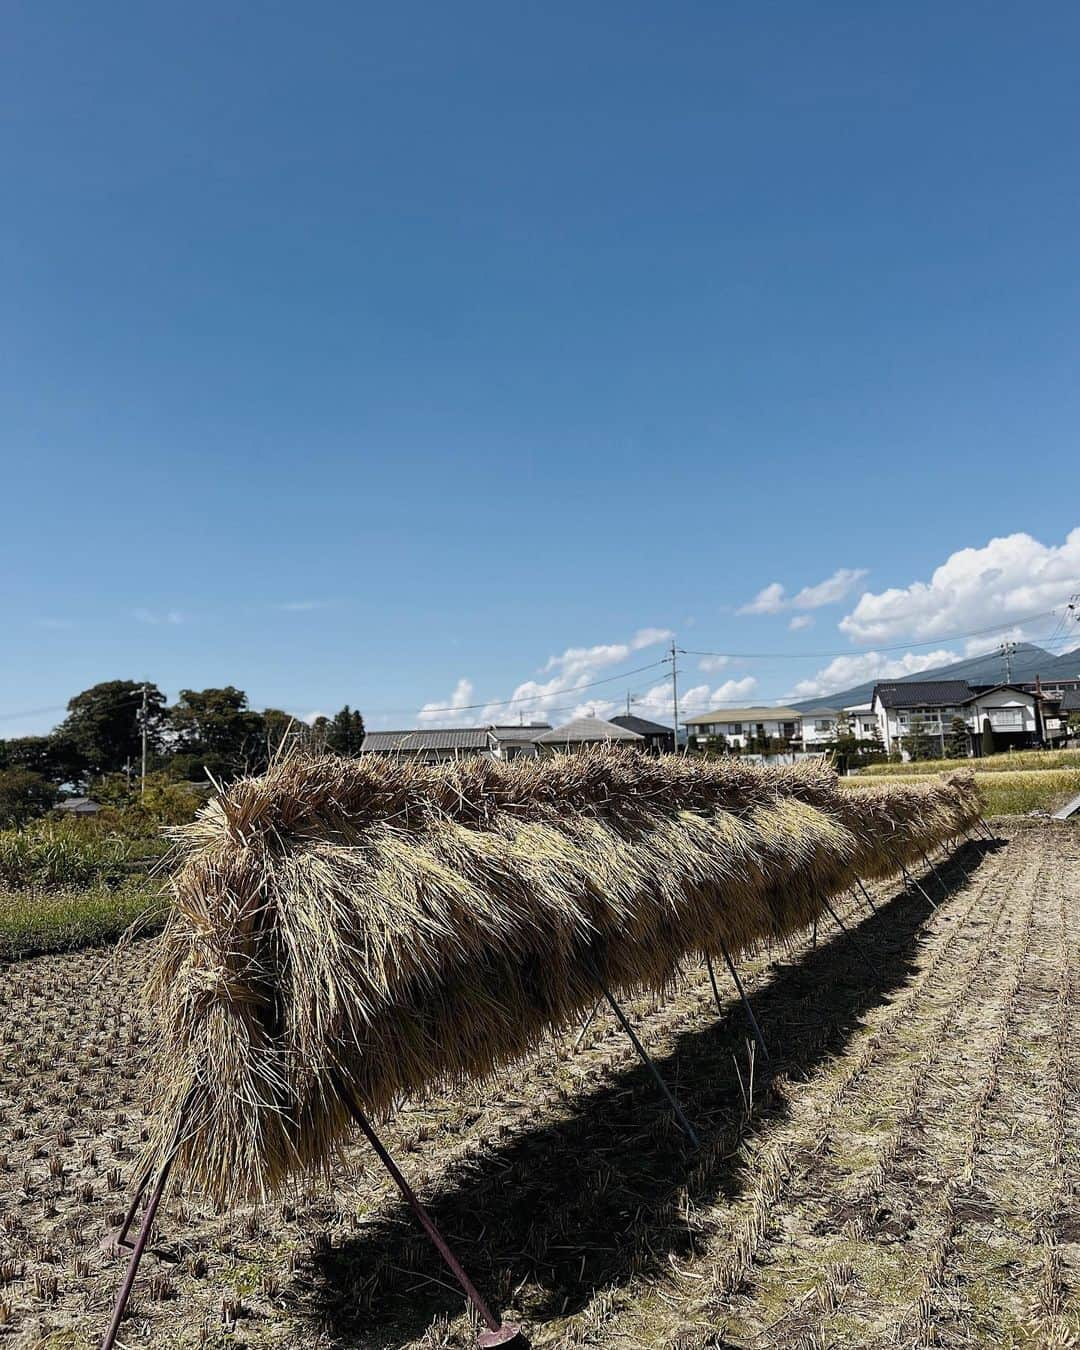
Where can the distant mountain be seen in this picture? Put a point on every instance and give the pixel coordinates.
(1027, 662)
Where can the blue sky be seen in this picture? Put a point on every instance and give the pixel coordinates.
(384, 354)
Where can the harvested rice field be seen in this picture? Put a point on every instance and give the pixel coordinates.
(906, 1175)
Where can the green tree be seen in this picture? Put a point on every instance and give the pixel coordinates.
(54, 757)
(844, 744)
(24, 795)
(345, 732)
(957, 746)
(104, 724)
(216, 732)
(919, 743)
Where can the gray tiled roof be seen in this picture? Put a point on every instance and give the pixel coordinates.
(641, 725)
(1070, 701)
(585, 729)
(520, 734)
(923, 694)
(429, 738)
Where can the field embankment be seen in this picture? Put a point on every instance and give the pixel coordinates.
(1031, 760)
(64, 887)
(1014, 792)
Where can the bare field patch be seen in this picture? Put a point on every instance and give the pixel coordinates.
(906, 1176)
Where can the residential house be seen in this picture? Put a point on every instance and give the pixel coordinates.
(819, 727)
(1070, 707)
(79, 806)
(659, 739)
(863, 722)
(516, 742)
(930, 706)
(740, 726)
(430, 744)
(1012, 713)
(584, 731)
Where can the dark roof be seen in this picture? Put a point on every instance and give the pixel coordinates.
(583, 730)
(641, 725)
(434, 738)
(1070, 701)
(923, 693)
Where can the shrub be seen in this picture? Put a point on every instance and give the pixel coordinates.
(52, 854)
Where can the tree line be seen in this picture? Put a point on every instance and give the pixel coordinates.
(205, 733)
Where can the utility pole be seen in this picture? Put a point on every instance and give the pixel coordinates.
(1007, 649)
(145, 691)
(673, 658)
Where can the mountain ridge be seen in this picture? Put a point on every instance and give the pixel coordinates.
(1028, 660)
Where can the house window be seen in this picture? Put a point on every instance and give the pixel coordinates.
(789, 730)
(734, 728)
(1008, 719)
(822, 725)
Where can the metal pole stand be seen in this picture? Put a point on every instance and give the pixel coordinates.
(497, 1333)
(909, 880)
(742, 995)
(137, 1250)
(684, 1124)
(865, 894)
(860, 949)
(933, 869)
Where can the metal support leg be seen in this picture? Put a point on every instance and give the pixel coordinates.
(847, 931)
(137, 1255)
(118, 1237)
(936, 873)
(865, 894)
(742, 995)
(587, 1024)
(909, 880)
(498, 1333)
(684, 1124)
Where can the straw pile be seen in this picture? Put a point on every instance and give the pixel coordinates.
(398, 928)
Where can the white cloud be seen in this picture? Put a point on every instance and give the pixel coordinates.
(1009, 579)
(649, 637)
(535, 699)
(150, 616)
(801, 621)
(438, 712)
(845, 671)
(709, 664)
(770, 600)
(774, 597)
(301, 606)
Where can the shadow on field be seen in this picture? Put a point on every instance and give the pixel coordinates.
(546, 1217)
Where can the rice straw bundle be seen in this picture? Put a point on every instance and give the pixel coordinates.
(399, 927)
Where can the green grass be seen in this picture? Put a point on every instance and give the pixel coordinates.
(1009, 793)
(35, 920)
(1029, 760)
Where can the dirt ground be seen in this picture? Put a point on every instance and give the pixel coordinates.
(904, 1175)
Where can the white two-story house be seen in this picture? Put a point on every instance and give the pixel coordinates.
(929, 707)
(740, 726)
